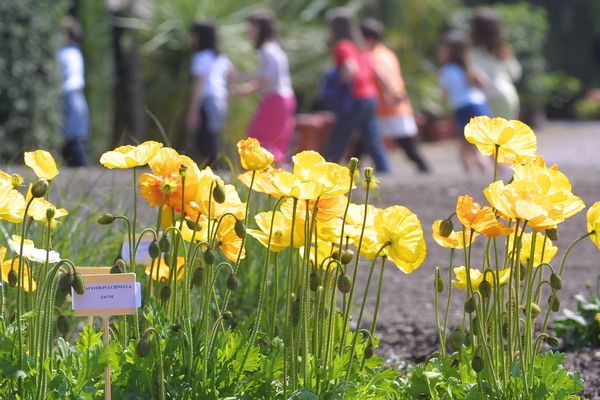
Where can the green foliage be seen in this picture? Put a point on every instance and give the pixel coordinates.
(582, 327)
(30, 83)
(451, 377)
(587, 109)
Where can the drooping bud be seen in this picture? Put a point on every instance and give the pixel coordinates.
(233, 283)
(193, 225)
(218, 194)
(63, 324)
(40, 188)
(65, 282)
(209, 256)
(119, 267)
(552, 234)
(154, 249)
(485, 288)
(142, 348)
(335, 255)
(446, 227)
(165, 293)
(106, 219)
(555, 281)
(164, 244)
(477, 364)
(552, 341)
(13, 278)
(78, 283)
(347, 256)
(315, 281)
(227, 315)
(369, 351)
(197, 276)
(554, 302)
(239, 228)
(456, 339)
(344, 283)
(470, 305)
(535, 310)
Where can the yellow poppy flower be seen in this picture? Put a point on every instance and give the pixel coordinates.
(540, 196)
(477, 277)
(456, 240)
(130, 156)
(333, 179)
(480, 219)
(163, 185)
(538, 257)
(228, 241)
(253, 156)
(327, 208)
(401, 229)
(42, 163)
(593, 223)
(281, 234)
(12, 206)
(355, 218)
(5, 181)
(161, 272)
(279, 183)
(14, 265)
(232, 205)
(511, 138)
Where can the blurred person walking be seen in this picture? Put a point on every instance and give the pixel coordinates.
(493, 57)
(463, 90)
(395, 115)
(207, 112)
(74, 105)
(354, 67)
(273, 121)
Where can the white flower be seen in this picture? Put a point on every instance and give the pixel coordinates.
(31, 252)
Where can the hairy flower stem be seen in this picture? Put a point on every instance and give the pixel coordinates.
(564, 259)
(348, 309)
(448, 301)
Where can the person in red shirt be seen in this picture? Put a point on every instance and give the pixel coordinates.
(395, 115)
(354, 65)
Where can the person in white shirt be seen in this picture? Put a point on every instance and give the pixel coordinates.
(212, 73)
(74, 105)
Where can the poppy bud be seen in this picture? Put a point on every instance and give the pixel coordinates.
(50, 213)
(552, 341)
(197, 276)
(554, 302)
(335, 255)
(218, 194)
(65, 282)
(446, 227)
(344, 283)
(233, 283)
(176, 328)
(457, 338)
(485, 288)
(315, 281)
(78, 283)
(368, 173)
(469, 305)
(154, 249)
(13, 278)
(63, 325)
(165, 293)
(552, 234)
(296, 307)
(227, 315)
(240, 229)
(522, 271)
(535, 310)
(353, 164)
(143, 347)
(59, 298)
(477, 364)
(183, 171)
(193, 225)
(209, 256)
(40, 188)
(555, 281)
(438, 283)
(347, 256)
(164, 244)
(106, 219)
(369, 351)
(119, 267)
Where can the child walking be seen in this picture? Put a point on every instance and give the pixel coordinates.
(463, 89)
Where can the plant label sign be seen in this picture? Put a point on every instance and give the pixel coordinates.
(107, 295)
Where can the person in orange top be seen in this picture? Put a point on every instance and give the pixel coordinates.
(395, 115)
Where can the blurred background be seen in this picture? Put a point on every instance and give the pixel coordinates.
(137, 59)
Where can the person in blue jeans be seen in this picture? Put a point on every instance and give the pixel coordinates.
(463, 88)
(74, 105)
(354, 65)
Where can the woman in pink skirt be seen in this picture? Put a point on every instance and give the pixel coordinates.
(273, 122)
